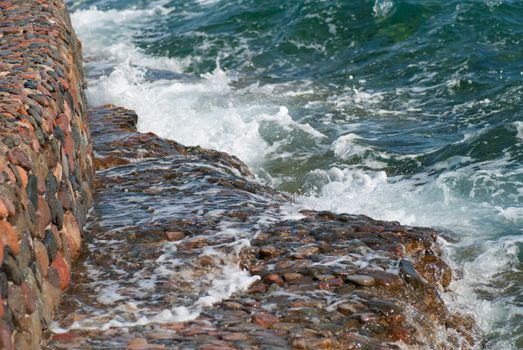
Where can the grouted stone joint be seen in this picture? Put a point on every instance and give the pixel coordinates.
(46, 166)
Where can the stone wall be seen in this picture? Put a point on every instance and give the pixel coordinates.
(46, 165)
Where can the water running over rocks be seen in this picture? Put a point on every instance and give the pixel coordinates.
(176, 230)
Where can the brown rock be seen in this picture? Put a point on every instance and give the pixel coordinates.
(29, 298)
(64, 337)
(291, 276)
(51, 297)
(64, 196)
(307, 250)
(257, 287)
(16, 301)
(23, 176)
(268, 252)
(264, 319)
(312, 343)
(350, 308)
(57, 172)
(42, 258)
(216, 347)
(274, 278)
(6, 342)
(361, 280)
(233, 336)
(63, 269)
(194, 243)
(232, 305)
(370, 229)
(434, 270)
(142, 344)
(9, 236)
(72, 233)
(7, 208)
(43, 215)
(109, 162)
(18, 157)
(206, 260)
(174, 235)
(331, 283)
(386, 280)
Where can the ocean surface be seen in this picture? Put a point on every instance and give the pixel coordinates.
(406, 110)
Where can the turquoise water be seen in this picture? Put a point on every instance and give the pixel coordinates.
(401, 110)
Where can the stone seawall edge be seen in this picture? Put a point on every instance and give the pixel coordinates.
(46, 165)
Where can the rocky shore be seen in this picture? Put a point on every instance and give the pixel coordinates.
(323, 280)
(46, 168)
(183, 248)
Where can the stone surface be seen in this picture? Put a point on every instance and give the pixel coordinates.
(319, 281)
(9, 236)
(174, 235)
(42, 112)
(72, 233)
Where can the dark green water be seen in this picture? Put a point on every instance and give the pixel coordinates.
(403, 110)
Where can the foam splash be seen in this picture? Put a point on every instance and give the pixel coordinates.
(489, 264)
(519, 129)
(382, 8)
(346, 146)
(203, 110)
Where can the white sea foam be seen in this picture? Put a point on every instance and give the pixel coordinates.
(519, 128)
(203, 110)
(346, 146)
(382, 8)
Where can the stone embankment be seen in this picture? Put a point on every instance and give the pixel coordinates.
(46, 167)
(169, 221)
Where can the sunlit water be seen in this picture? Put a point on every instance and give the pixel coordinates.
(400, 110)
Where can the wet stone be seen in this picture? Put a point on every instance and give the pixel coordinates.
(434, 270)
(194, 243)
(361, 280)
(268, 252)
(322, 280)
(274, 278)
(292, 276)
(264, 319)
(410, 274)
(174, 235)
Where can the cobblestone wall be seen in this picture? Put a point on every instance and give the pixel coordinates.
(46, 165)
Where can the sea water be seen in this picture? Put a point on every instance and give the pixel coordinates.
(401, 110)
